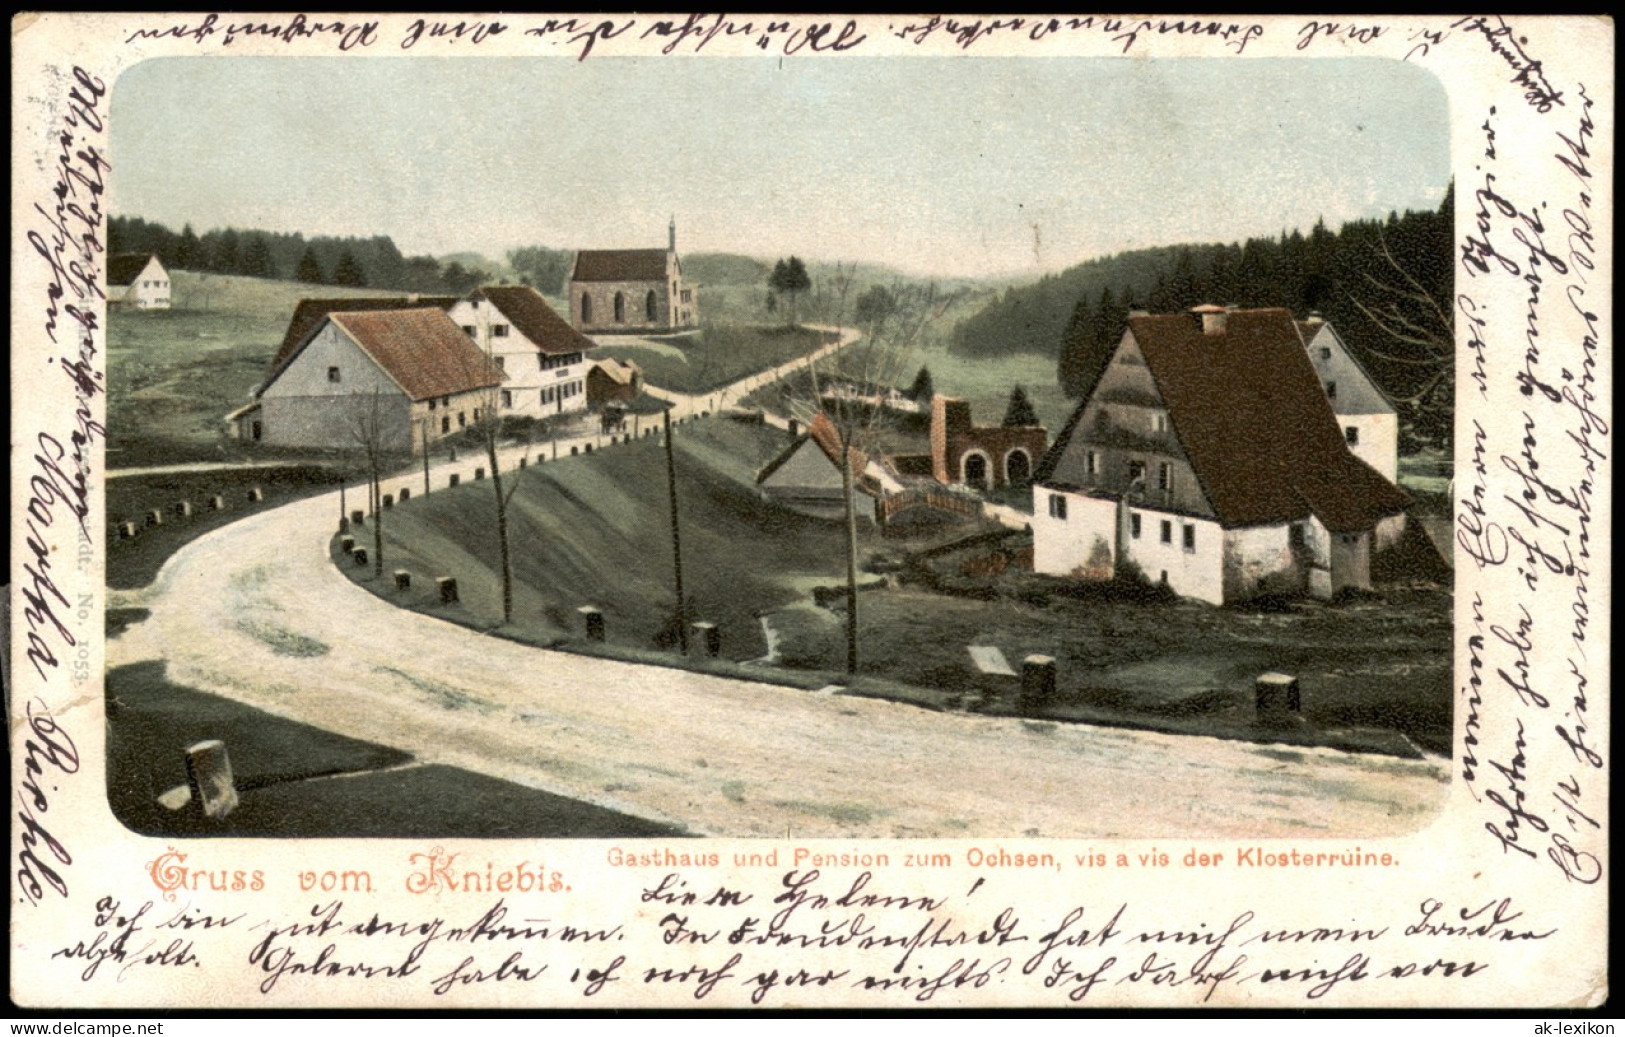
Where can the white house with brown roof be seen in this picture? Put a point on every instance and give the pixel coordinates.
(542, 358)
(137, 281)
(413, 368)
(1209, 456)
(635, 291)
(1368, 419)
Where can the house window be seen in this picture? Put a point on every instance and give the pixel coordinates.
(501, 364)
(547, 396)
(1351, 435)
(499, 331)
(470, 330)
(620, 308)
(1297, 536)
(1134, 525)
(1325, 352)
(1165, 476)
(333, 374)
(445, 425)
(507, 398)
(1331, 390)
(1092, 462)
(586, 308)
(1167, 531)
(1136, 472)
(1159, 421)
(432, 403)
(462, 420)
(1190, 538)
(1057, 507)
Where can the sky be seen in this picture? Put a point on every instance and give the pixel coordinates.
(943, 167)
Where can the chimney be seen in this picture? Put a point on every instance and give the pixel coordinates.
(1139, 313)
(1213, 318)
(1316, 318)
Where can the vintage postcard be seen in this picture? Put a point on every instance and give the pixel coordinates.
(706, 511)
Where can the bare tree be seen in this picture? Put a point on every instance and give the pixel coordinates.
(1421, 331)
(847, 392)
(488, 429)
(369, 430)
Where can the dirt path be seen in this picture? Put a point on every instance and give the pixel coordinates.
(257, 612)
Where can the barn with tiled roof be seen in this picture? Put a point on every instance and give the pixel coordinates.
(1209, 455)
(411, 373)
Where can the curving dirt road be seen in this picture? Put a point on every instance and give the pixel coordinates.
(257, 612)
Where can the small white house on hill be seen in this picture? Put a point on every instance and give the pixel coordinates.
(137, 281)
(542, 358)
(1209, 455)
(411, 371)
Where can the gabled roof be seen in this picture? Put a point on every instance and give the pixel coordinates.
(535, 319)
(422, 350)
(1250, 413)
(124, 268)
(827, 438)
(620, 264)
(311, 312)
(621, 372)
(1309, 330)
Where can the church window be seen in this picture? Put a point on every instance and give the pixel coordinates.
(586, 308)
(650, 307)
(620, 308)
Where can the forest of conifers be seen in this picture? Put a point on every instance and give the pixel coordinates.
(1386, 285)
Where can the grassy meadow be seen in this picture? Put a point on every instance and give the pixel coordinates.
(594, 530)
(174, 374)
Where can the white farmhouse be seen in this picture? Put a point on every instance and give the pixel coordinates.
(137, 281)
(1209, 456)
(542, 358)
(1369, 421)
(413, 368)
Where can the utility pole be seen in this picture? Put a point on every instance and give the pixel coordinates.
(676, 538)
(425, 457)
